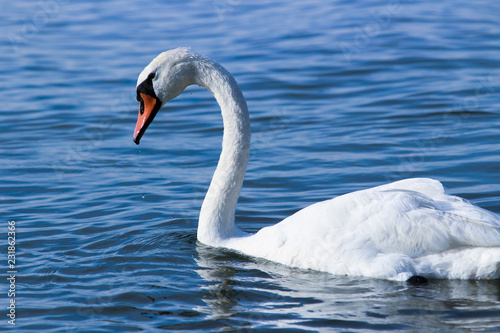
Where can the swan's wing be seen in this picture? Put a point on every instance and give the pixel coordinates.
(378, 232)
(423, 219)
(426, 186)
(447, 203)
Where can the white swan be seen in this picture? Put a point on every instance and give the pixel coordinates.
(394, 231)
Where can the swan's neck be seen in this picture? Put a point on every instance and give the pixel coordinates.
(217, 215)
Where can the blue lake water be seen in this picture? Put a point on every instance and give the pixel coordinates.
(343, 95)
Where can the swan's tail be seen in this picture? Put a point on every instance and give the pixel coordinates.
(463, 263)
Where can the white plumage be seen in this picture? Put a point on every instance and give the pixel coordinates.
(394, 231)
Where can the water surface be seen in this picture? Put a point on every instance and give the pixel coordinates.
(343, 96)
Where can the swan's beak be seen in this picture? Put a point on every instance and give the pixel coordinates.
(147, 111)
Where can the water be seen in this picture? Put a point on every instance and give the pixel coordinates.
(343, 96)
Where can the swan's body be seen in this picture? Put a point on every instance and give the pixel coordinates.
(394, 231)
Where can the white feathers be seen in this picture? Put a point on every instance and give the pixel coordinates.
(387, 232)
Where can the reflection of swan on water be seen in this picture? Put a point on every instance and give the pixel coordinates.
(220, 294)
(254, 293)
(394, 231)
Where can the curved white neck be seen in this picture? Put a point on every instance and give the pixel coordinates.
(217, 214)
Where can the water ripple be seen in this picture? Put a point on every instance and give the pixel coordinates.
(355, 94)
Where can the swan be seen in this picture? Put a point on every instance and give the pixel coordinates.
(398, 231)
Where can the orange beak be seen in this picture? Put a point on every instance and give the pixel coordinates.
(147, 111)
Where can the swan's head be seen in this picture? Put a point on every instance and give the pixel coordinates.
(162, 80)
